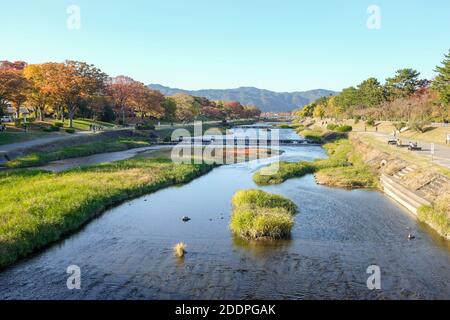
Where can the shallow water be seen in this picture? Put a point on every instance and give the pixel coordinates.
(127, 252)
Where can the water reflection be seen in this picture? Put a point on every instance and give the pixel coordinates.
(262, 249)
(127, 252)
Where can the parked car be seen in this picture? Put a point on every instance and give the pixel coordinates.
(7, 119)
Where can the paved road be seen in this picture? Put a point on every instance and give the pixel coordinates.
(441, 151)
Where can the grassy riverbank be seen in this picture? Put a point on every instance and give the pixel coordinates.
(259, 215)
(38, 208)
(81, 150)
(344, 168)
(438, 216)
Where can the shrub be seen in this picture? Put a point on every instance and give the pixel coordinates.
(145, 126)
(71, 131)
(58, 124)
(331, 126)
(18, 123)
(370, 122)
(260, 215)
(51, 129)
(344, 128)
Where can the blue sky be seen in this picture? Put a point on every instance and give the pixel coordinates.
(284, 45)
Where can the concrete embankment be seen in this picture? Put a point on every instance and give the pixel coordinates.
(410, 185)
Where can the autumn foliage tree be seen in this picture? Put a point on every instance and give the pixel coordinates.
(76, 88)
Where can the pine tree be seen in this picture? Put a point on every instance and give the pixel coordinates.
(442, 82)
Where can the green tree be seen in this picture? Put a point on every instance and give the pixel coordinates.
(404, 83)
(371, 93)
(170, 108)
(442, 81)
(349, 99)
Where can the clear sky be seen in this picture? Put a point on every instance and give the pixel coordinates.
(283, 45)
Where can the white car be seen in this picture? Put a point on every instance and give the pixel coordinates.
(7, 119)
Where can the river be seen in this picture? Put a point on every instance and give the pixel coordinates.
(127, 252)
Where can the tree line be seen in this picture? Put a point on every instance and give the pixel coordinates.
(403, 97)
(78, 89)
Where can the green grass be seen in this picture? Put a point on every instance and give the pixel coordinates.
(314, 135)
(258, 215)
(438, 216)
(263, 199)
(84, 124)
(38, 207)
(81, 150)
(284, 171)
(343, 168)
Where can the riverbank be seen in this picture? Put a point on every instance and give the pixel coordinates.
(82, 150)
(343, 168)
(38, 208)
(412, 182)
(356, 163)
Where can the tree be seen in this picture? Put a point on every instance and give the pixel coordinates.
(73, 83)
(442, 81)
(371, 93)
(234, 109)
(122, 89)
(39, 94)
(16, 65)
(348, 99)
(170, 108)
(187, 107)
(13, 88)
(8, 81)
(306, 112)
(252, 111)
(334, 110)
(319, 111)
(148, 102)
(404, 83)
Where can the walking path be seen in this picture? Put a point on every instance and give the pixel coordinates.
(40, 141)
(67, 164)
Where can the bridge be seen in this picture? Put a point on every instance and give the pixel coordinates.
(246, 142)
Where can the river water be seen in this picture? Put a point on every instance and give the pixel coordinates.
(127, 252)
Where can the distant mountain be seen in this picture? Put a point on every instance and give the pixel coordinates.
(267, 101)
